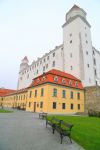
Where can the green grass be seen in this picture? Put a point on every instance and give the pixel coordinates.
(86, 130)
(5, 111)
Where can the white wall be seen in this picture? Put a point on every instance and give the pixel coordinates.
(96, 56)
(31, 71)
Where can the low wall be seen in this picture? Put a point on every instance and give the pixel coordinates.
(92, 98)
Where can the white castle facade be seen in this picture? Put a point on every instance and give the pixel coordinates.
(76, 55)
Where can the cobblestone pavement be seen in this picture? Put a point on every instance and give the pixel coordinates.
(25, 131)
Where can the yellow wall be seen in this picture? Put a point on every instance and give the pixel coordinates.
(23, 100)
(1, 100)
(15, 100)
(48, 99)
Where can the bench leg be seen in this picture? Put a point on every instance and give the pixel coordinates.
(70, 138)
(46, 124)
(53, 130)
(61, 137)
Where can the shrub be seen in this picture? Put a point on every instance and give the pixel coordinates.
(93, 113)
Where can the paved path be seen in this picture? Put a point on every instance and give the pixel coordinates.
(25, 131)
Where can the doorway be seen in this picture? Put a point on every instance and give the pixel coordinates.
(34, 106)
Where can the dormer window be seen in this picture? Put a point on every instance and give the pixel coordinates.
(76, 84)
(55, 78)
(43, 78)
(70, 83)
(63, 80)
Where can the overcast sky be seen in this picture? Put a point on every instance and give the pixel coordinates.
(33, 27)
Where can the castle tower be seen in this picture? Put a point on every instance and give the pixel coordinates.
(23, 66)
(78, 58)
(24, 63)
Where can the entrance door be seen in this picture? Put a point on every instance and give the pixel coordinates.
(34, 106)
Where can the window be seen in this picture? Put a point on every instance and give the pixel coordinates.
(41, 62)
(96, 82)
(71, 95)
(70, 41)
(27, 76)
(89, 80)
(95, 71)
(71, 67)
(78, 106)
(53, 54)
(76, 84)
(94, 61)
(54, 105)
(44, 78)
(70, 34)
(37, 71)
(93, 53)
(78, 95)
(20, 78)
(48, 58)
(29, 104)
(44, 59)
(63, 105)
(71, 106)
(70, 54)
(30, 94)
(42, 92)
(41, 104)
(46, 66)
(21, 97)
(63, 94)
(87, 52)
(55, 92)
(85, 34)
(55, 78)
(24, 96)
(86, 41)
(53, 64)
(63, 80)
(88, 65)
(35, 93)
(37, 104)
(70, 83)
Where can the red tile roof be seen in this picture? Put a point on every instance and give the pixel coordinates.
(3, 91)
(49, 76)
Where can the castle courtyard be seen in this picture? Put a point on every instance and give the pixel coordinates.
(22, 130)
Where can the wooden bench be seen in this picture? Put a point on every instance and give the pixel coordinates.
(43, 115)
(63, 128)
(53, 123)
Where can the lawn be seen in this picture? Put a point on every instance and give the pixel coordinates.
(5, 111)
(86, 131)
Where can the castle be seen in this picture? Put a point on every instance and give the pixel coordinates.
(76, 55)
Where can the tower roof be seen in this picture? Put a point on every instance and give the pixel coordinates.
(25, 58)
(75, 7)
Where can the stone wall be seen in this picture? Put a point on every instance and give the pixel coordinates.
(92, 98)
